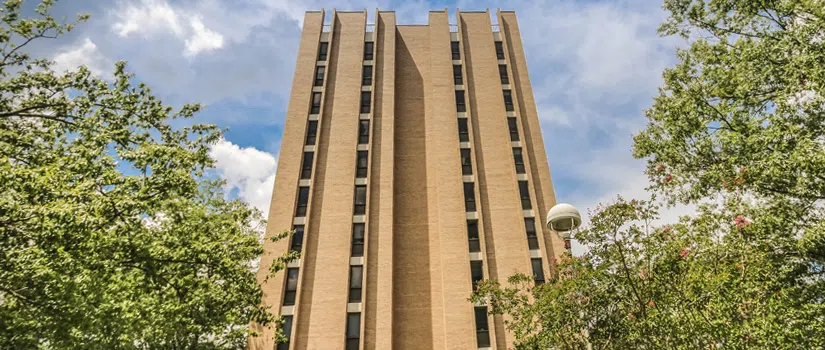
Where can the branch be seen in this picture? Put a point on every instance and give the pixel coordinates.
(19, 111)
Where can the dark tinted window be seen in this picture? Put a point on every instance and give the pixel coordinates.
(368, 48)
(482, 329)
(355, 279)
(469, 197)
(319, 75)
(303, 198)
(524, 193)
(511, 124)
(363, 132)
(519, 160)
(306, 166)
(358, 239)
(365, 101)
(508, 101)
(291, 286)
(322, 51)
(459, 101)
(286, 328)
(472, 236)
(476, 272)
(297, 241)
(312, 132)
(316, 103)
(463, 130)
(499, 50)
(360, 200)
(361, 164)
(353, 331)
(538, 272)
(532, 238)
(502, 73)
(366, 75)
(455, 50)
(466, 162)
(457, 79)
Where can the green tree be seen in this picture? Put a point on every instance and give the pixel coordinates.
(736, 131)
(113, 234)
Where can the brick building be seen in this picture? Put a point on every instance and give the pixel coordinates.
(412, 165)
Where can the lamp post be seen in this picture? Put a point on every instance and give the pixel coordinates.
(563, 218)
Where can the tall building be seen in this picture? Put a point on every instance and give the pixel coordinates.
(412, 166)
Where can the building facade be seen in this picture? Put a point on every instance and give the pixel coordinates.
(412, 166)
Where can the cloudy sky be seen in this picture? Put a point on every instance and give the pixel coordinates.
(594, 65)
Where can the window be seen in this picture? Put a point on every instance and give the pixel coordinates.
(459, 101)
(476, 272)
(361, 164)
(502, 72)
(355, 279)
(306, 166)
(532, 239)
(508, 101)
(316, 103)
(365, 101)
(454, 49)
(353, 331)
(360, 200)
(368, 48)
(457, 75)
(312, 132)
(524, 192)
(538, 272)
(519, 159)
(319, 76)
(472, 236)
(366, 76)
(466, 162)
(322, 51)
(511, 124)
(286, 327)
(357, 239)
(363, 132)
(499, 50)
(291, 286)
(469, 197)
(297, 238)
(482, 329)
(463, 130)
(303, 198)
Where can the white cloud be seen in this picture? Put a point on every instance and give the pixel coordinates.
(249, 170)
(151, 18)
(87, 55)
(203, 39)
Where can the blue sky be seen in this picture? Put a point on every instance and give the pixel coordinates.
(594, 65)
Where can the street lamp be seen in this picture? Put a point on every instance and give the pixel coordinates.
(563, 218)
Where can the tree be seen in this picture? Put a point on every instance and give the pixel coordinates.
(737, 131)
(113, 234)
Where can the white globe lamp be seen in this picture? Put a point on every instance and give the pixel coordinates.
(563, 218)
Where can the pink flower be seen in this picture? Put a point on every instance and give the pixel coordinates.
(660, 167)
(631, 316)
(667, 228)
(741, 222)
(668, 178)
(651, 304)
(684, 252)
(643, 274)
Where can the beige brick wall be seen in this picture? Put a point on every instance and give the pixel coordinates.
(284, 193)
(416, 260)
(378, 314)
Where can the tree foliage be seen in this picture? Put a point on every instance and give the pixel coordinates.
(737, 132)
(112, 232)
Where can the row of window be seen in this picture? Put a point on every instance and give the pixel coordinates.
(356, 272)
(456, 52)
(323, 48)
(461, 103)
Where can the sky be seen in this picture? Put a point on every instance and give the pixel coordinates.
(594, 65)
